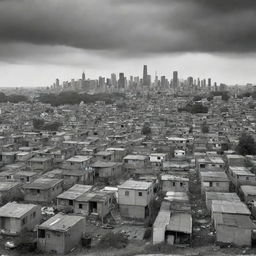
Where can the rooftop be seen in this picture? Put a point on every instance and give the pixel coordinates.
(180, 222)
(7, 185)
(96, 196)
(61, 222)
(40, 159)
(215, 176)
(134, 184)
(166, 177)
(235, 207)
(43, 183)
(248, 190)
(135, 157)
(15, 210)
(79, 159)
(235, 221)
(100, 164)
(222, 196)
(74, 192)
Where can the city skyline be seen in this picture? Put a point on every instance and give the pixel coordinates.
(42, 41)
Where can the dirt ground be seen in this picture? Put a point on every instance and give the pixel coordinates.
(203, 240)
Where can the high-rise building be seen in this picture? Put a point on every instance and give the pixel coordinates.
(163, 82)
(156, 80)
(57, 82)
(83, 76)
(198, 82)
(121, 81)
(190, 81)
(175, 79)
(146, 79)
(113, 80)
(209, 82)
(145, 74)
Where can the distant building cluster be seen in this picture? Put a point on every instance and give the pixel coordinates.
(121, 83)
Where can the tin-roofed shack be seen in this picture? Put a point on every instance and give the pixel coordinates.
(65, 201)
(16, 218)
(60, 234)
(134, 197)
(43, 190)
(95, 203)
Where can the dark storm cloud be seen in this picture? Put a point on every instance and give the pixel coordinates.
(132, 26)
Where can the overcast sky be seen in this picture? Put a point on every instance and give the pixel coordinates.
(41, 40)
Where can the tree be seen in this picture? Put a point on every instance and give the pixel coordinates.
(38, 123)
(225, 97)
(146, 130)
(197, 98)
(3, 97)
(54, 126)
(246, 145)
(204, 127)
(224, 110)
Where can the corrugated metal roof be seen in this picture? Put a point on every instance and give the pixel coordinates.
(134, 184)
(180, 222)
(248, 190)
(75, 191)
(60, 222)
(235, 207)
(221, 196)
(241, 221)
(162, 219)
(15, 210)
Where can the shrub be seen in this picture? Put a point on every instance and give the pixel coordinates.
(114, 240)
(246, 145)
(159, 248)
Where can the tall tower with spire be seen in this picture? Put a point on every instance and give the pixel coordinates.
(83, 76)
(145, 75)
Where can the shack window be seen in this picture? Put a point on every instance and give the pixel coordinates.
(202, 165)
(210, 184)
(24, 221)
(41, 233)
(38, 191)
(181, 184)
(140, 193)
(173, 184)
(34, 214)
(70, 202)
(80, 206)
(126, 193)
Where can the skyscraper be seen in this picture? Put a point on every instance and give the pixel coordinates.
(146, 80)
(57, 82)
(190, 81)
(209, 82)
(83, 76)
(145, 74)
(113, 80)
(121, 81)
(163, 82)
(175, 80)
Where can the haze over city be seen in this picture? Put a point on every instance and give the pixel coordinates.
(44, 40)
